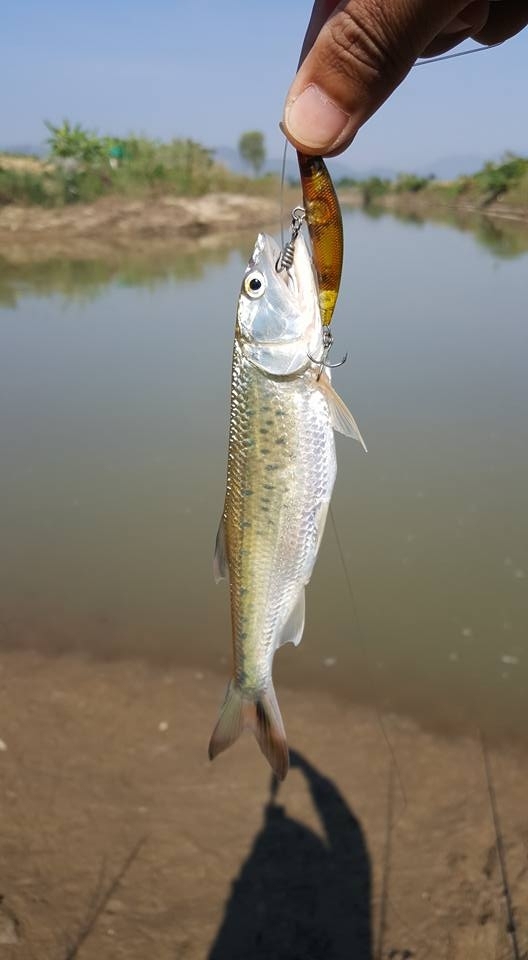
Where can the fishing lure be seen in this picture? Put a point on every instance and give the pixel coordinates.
(325, 226)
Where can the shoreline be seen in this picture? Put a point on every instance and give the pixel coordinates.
(114, 226)
(427, 207)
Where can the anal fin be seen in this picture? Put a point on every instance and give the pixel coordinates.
(292, 630)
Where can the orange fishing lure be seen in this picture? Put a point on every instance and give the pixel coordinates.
(325, 226)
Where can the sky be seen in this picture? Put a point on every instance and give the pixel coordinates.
(210, 70)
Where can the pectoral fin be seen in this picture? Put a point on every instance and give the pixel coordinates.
(293, 628)
(220, 568)
(342, 419)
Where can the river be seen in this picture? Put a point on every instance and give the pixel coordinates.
(114, 391)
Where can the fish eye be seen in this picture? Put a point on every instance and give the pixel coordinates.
(255, 284)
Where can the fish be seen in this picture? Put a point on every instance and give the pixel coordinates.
(325, 226)
(280, 476)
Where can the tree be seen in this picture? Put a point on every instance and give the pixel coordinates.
(252, 149)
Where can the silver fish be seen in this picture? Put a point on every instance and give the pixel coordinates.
(280, 476)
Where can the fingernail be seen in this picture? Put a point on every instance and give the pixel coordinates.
(314, 120)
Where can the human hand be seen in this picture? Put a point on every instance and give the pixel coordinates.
(356, 52)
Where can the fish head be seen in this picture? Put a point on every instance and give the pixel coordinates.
(278, 317)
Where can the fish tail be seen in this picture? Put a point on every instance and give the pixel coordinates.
(267, 725)
(262, 716)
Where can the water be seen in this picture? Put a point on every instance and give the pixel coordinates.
(114, 384)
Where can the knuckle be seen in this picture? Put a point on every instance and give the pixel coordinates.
(363, 48)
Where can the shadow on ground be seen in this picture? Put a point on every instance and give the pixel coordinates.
(299, 897)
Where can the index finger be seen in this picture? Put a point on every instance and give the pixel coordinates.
(504, 21)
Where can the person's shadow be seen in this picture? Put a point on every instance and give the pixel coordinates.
(299, 897)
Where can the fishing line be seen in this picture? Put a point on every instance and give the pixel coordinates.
(281, 193)
(363, 648)
(452, 56)
(394, 769)
(390, 748)
(492, 795)
(499, 846)
(387, 858)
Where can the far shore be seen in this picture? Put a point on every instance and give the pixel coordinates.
(116, 225)
(421, 204)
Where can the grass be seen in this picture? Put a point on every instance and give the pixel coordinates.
(507, 181)
(23, 187)
(83, 167)
(59, 186)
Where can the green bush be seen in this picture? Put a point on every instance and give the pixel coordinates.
(518, 193)
(373, 188)
(498, 178)
(410, 183)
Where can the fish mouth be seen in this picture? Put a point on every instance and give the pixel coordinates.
(267, 256)
(280, 327)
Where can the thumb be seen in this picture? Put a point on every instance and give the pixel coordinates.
(360, 54)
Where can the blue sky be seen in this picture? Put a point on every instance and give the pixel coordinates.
(210, 71)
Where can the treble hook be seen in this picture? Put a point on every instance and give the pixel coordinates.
(285, 258)
(322, 362)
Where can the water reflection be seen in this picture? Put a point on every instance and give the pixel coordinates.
(87, 279)
(504, 238)
(298, 895)
(505, 242)
(84, 280)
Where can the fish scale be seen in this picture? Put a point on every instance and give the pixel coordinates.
(281, 461)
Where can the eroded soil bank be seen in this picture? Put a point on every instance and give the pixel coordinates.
(116, 224)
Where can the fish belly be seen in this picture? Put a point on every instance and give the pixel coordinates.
(281, 472)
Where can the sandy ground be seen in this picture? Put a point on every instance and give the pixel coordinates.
(23, 164)
(120, 840)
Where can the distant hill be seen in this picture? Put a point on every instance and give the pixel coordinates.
(445, 168)
(449, 168)
(339, 168)
(24, 149)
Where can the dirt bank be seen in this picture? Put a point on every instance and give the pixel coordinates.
(120, 839)
(116, 224)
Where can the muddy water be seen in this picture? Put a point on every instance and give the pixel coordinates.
(114, 382)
